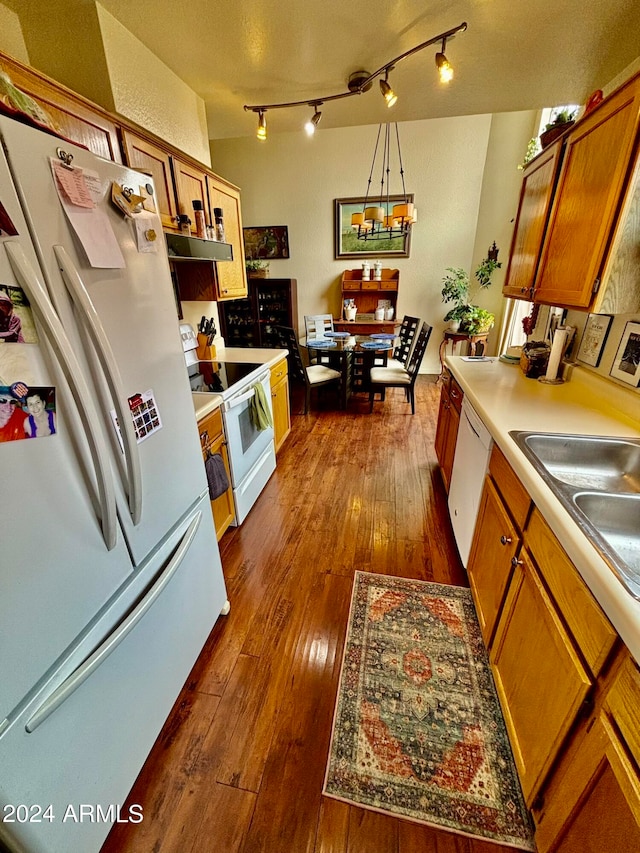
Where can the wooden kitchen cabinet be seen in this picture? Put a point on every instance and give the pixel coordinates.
(144, 155)
(592, 803)
(504, 508)
(190, 185)
(598, 159)
(451, 396)
(231, 275)
(212, 440)
(280, 402)
(551, 644)
(536, 194)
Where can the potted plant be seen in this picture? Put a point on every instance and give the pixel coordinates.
(257, 268)
(465, 316)
(560, 122)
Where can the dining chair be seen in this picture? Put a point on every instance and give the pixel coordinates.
(317, 324)
(406, 335)
(382, 378)
(312, 375)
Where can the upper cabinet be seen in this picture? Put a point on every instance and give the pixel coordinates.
(191, 185)
(593, 215)
(232, 275)
(144, 155)
(538, 183)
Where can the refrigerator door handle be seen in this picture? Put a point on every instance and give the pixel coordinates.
(91, 320)
(54, 331)
(111, 643)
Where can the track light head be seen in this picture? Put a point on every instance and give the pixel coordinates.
(443, 65)
(261, 133)
(314, 121)
(387, 92)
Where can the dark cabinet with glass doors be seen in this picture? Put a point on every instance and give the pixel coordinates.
(252, 322)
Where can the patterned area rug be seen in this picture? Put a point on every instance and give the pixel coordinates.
(418, 730)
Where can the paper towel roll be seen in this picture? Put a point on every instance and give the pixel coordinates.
(557, 351)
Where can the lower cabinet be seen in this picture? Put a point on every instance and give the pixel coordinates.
(280, 402)
(504, 507)
(552, 652)
(451, 396)
(592, 803)
(212, 441)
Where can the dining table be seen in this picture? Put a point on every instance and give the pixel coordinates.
(352, 355)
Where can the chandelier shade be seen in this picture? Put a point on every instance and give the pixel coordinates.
(383, 214)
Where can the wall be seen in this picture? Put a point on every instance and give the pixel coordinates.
(11, 37)
(109, 66)
(293, 180)
(146, 91)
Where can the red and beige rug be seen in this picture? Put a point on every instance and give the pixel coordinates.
(417, 730)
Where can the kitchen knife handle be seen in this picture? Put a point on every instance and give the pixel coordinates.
(61, 346)
(90, 319)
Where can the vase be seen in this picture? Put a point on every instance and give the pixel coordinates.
(453, 326)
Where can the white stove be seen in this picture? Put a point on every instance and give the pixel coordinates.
(251, 450)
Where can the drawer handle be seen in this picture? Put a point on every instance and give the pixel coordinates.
(505, 540)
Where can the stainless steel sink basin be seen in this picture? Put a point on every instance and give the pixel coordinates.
(597, 479)
(589, 462)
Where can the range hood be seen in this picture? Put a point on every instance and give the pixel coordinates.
(183, 248)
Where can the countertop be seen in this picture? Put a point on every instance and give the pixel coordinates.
(203, 403)
(587, 404)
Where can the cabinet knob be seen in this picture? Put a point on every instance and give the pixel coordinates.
(516, 562)
(505, 540)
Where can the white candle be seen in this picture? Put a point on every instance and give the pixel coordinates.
(557, 351)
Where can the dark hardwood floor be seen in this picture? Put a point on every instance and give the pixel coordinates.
(239, 765)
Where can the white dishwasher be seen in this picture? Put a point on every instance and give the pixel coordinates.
(470, 464)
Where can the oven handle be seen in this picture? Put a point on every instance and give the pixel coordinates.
(242, 398)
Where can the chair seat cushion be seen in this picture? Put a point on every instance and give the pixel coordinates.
(321, 373)
(390, 376)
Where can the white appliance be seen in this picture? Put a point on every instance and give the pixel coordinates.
(111, 578)
(252, 456)
(470, 463)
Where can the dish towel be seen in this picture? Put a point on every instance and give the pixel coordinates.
(216, 476)
(259, 408)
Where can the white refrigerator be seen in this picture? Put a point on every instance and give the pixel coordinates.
(110, 573)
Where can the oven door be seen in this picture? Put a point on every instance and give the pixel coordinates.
(245, 442)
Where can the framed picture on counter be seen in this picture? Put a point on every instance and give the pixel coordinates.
(626, 364)
(594, 338)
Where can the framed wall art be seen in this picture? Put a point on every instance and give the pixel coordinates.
(594, 338)
(347, 244)
(626, 364)
(268, 243)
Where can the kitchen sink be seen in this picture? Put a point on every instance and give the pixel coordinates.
(597, 479)
(588, 462)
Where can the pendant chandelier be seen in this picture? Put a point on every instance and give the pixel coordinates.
(385, 216)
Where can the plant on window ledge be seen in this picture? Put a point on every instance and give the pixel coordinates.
(465, 316)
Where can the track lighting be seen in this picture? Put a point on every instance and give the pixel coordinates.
(360, 81)
(261, 133)
(314, 121)
(443, 65)
(387, 92)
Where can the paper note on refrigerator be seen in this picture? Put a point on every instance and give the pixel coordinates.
(91, 225)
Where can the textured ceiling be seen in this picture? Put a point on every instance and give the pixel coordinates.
(513, 56)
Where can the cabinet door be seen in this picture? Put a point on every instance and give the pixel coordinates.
(280, 402)
(495, 543)
(143, 155)
(538, 183)
(592, 803)
(191, 185)
(592, 179)
(539, 676)
(232, 275)
(213, 441)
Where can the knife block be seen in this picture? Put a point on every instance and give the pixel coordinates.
(204, 352)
